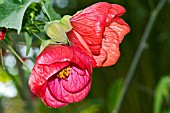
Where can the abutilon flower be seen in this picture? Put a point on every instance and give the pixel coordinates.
(97, 31)
(2, 33)
(61, 75)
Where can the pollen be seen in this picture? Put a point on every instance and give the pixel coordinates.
(65, 72)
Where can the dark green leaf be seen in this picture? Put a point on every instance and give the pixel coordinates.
(49, 11)
(28, 40)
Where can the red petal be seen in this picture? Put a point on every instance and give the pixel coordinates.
(51, 101)
(57, 89)
(113, 35)
(89, 24)
(101, 58)
(55, 53)
(120, 27)
(77, 80)
(41, 73)
(2, 33)
(115, 11)
(78, 41)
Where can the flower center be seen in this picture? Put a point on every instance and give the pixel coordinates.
(65, 72)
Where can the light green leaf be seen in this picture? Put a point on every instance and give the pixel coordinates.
(4, 77)
(12, 13)
(1, 1)
(46, 43)
(28, 40)
(161, 93)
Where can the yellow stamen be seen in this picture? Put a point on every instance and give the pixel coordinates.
(64, 73)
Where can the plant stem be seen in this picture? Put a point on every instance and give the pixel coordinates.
(29, 108)
(1, 56)
(37, 36)
(138, 54)
(19, 58)
(23, 89)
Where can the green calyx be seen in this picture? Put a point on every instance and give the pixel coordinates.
(56, 30)
(46, 43)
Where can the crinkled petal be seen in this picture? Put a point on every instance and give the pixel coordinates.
(55, 53)
(114, 11)
(78, 41)
(41, 73)
(114, 35)
(111, 46)
(77, 80)
(51, 101)
(81, 59)
(120, 27)
(59, 92)
(90, 23)
(101, 58)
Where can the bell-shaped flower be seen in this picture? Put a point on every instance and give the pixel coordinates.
(61, 75)
(97, 31)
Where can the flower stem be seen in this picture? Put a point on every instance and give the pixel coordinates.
(1, 56)
(19, 58)
(138, 54)
(29, 108)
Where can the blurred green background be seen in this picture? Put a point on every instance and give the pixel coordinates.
(153, 65)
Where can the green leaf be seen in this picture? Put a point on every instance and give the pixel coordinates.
(4, 77)
(91, 109)
(46, 43)
(49, 11)
(161, 93)
(1, 1)
(12, 13)
(114, 94)
(28, 40)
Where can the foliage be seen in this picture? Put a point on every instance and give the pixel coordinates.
(162, 93)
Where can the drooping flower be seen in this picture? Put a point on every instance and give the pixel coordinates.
(2, 33)
(61, 75)
(98, 31)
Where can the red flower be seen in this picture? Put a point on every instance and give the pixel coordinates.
(2, 33)
(61, 75)
(98, 31)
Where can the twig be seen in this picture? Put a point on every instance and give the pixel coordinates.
(19, 58)
(138, 54)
